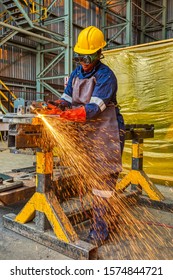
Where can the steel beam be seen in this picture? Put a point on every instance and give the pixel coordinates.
(165, 205)
(78, 249)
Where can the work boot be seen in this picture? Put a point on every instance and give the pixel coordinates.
(99, 231)
(103, 213)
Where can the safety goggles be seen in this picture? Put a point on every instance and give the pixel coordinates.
(85, 58)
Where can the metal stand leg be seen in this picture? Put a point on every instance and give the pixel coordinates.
(137, 177)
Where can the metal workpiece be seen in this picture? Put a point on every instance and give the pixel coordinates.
(24, 130)
(14, 118)
(33, 119)
(22, 135)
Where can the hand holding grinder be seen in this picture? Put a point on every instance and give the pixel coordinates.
(60, 108)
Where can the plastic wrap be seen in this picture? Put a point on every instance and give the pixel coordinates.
(145, 94)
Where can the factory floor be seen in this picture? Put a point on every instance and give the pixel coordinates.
(156, 236)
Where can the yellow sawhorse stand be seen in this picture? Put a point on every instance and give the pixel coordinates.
(137, 178)
(44, 201)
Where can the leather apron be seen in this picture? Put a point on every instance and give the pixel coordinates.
(101, 134)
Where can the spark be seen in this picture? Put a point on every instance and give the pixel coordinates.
(85, 165)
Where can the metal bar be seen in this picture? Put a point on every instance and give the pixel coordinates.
(115, 4)
(151, 37)
(117, 16)
(58, 94)
(154, 4)
(164, 19)
(151, 20)
(117, 34)
(129, 22)
(154, 12)
(21, 47)
(41, 29)
(33, 34)
(52, 50)
(77, 250)
(147, 13)
(3, 108)
(52, 77)
(51, 64)
(51, 4)
(20, 85)
(8, 37)
(114, 25)
(39, 67)
(165, 205)
(18, 4)
(55, 20)
(68, 25)
(9, 91)
(103, 19)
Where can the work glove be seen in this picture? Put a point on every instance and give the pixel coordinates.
(61, 104)
(77, 114)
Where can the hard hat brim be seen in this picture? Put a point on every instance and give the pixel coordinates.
(85, 51)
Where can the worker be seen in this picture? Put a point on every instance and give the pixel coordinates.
(90, 97)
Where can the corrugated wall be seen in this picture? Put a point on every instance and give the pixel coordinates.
(18, 64)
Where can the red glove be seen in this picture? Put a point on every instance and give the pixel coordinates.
(77, 114)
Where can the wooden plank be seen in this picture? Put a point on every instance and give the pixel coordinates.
(6, 186)
(16, 195)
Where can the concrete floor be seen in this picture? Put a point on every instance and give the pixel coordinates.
(9, 161)
(152, 242)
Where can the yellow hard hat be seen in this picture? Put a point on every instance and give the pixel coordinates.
(90, 40)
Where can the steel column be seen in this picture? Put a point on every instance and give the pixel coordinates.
(129, 35)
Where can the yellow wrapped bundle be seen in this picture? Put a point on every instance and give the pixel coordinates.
(145, 94)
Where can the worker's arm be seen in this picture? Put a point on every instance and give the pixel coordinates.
(76, 114)
(104, 92)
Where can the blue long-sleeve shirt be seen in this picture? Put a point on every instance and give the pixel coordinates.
(104, 90)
